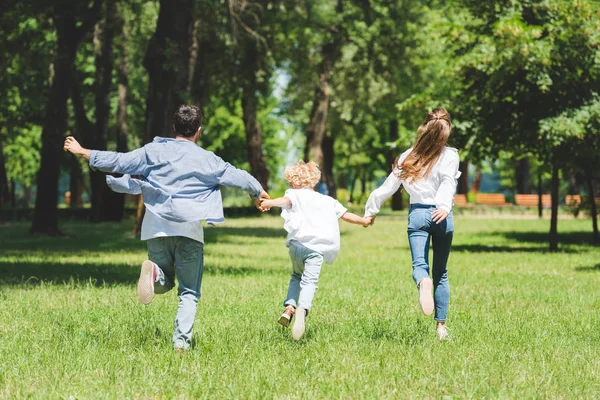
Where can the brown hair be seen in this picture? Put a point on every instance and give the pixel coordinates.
(432, 136)
(303, 175)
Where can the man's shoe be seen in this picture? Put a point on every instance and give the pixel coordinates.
(299, 324)
(145, 289)
(426, 296)
(287, 316)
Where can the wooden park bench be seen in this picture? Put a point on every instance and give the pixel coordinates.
(491, 199)
(531, 200)
(460, 200)
(574, 200)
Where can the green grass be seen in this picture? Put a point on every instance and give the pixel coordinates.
(524, 322)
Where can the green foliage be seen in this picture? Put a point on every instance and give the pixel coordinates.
(22, 154)
(540, 58)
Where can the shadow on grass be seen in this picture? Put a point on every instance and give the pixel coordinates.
(109, 237)
(595, 268)
(212, 234)
(480, 248)
(578, 238)
(27, 274)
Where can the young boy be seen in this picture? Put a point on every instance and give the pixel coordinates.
(310, 218)
(180, 187)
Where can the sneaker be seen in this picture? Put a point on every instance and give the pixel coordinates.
(442, 332)
(425, 295)
(145, 289)
(287, 315)
(299, 324)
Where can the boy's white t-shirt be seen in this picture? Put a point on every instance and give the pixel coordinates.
(312, 220)
(154, 226)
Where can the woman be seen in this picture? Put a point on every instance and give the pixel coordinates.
(429, 172)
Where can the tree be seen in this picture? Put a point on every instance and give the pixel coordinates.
(167, 63)
(69, 36)
(525, 62)
(574, 138)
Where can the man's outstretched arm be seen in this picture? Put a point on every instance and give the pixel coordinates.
(72, 145)
(132, 163)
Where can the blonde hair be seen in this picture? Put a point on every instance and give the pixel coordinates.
(303, 175)
(432, 136)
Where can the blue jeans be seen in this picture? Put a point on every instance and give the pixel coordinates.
(306, 267)
(420, 230)
(182, 258)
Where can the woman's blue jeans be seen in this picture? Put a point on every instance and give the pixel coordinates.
(421, 229)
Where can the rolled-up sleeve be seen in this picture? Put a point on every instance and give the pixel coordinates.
(449, 172)
(381, 194)
(132, 163)
(228, 175)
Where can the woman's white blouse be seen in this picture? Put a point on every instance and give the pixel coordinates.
(437, 188)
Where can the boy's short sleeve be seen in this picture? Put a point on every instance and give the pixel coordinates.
(292, 196)
(290, 215)
(339, 209)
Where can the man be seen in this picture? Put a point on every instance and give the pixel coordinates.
(179, 182)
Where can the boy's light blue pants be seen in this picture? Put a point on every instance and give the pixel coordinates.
(306, 267)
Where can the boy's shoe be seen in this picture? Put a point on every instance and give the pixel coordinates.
(145, 289)
(442, 332)
(299, 324)
(287, 315)
(426, 296)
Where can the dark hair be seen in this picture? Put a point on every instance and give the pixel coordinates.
(187, 120)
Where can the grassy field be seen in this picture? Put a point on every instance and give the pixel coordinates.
(524, 322)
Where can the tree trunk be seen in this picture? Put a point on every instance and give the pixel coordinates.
(352, 186)
(256, 158)
(476, 186)
(573, 184)
(193, 57)
(397, 203)
(45, 216)
(117, 200)
(363, 185)
(539, 188)
(327, 175)
(592, 194)
(316, 131)
(13, 195)
(103, 198)
(554, 214)
(75, 183)
(4, 185)
(317, 126)
(463, 180)
(139, 216)
(167, 62)
(523, 176)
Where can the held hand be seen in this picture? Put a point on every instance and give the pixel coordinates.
(369, 221)
(258, 203)
(72, 145)
(266, 204)
(439, 216)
